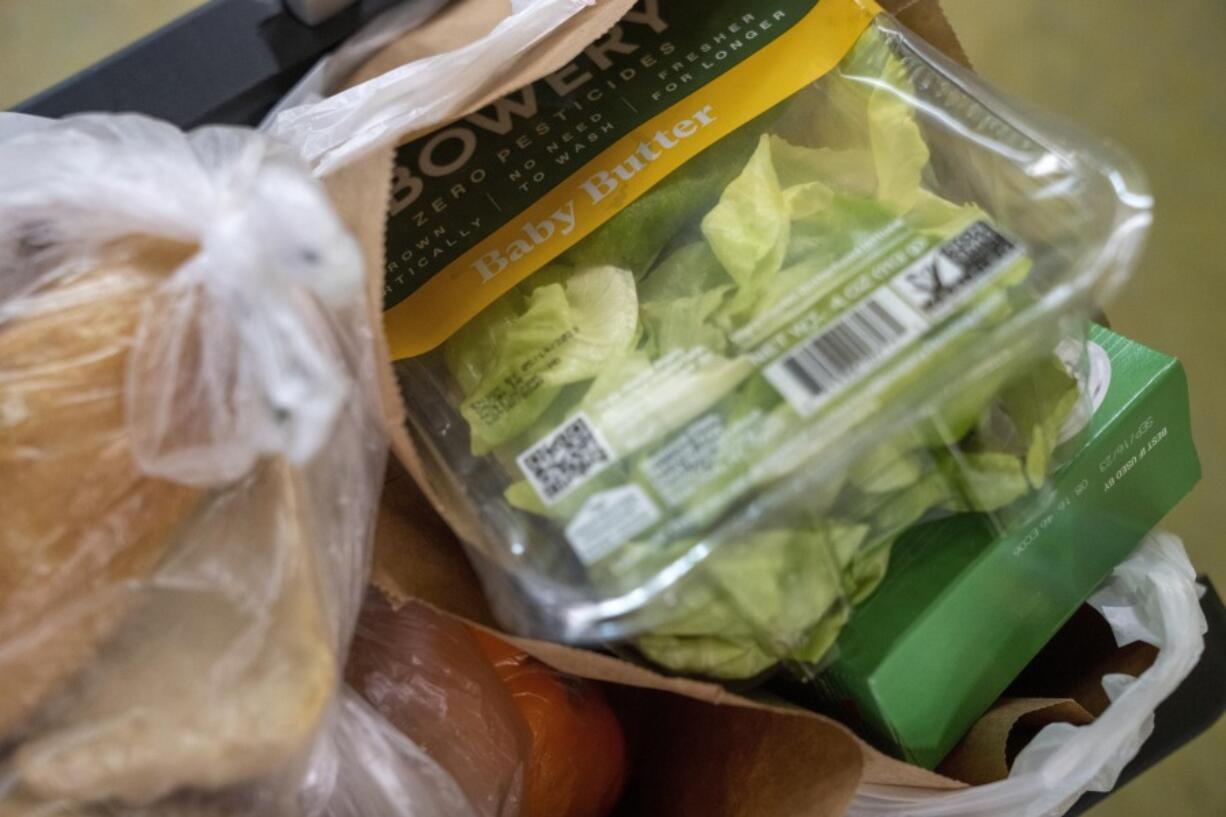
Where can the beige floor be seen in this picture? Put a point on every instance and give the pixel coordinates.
(1148, 75)
(44, 41)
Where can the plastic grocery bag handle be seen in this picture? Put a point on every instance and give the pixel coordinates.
(342, 128)
(1152, 597)
(329, 71)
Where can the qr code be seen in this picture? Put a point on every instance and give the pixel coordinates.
(565, 458)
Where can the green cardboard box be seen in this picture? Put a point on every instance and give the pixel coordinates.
(964, 609)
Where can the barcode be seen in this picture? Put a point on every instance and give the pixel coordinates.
(939, 280)
(565, 458)
(822, 365)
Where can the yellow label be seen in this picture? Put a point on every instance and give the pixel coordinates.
(621, 173)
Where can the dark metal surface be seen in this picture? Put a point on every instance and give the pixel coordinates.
(227, 62)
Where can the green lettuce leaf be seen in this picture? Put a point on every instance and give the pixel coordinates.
(1038, 457)
(862, 122)
(899, 151)
(888, 468)
(908, 506)
(683, 323)
(940, 217)
(822, 636)
(635, 236)
(851, 172)
(679, 299)
(987, 481)
(522, 495)
(1028, 415)
(867, 570)
(633, 326)
(760, 599)
(807, 199)
(666, 395)
(471, 353)
(689, 270)
(568, 329)
(603, 315)
(1042, 398)
(748, 228)
(815, 244)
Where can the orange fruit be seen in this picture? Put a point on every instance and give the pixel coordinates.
(578, 760)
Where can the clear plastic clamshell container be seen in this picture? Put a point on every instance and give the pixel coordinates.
(700, 430)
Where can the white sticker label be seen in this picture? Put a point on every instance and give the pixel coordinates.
(608, 520)
(858, 341)
(944, 277)
(680, 467)
(824, 364)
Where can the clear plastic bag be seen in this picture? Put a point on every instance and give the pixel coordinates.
(190, 457)
(518, 737)
(426, 675)
(1153, 598)
(700, 428)
(335, 67)
(342, 128)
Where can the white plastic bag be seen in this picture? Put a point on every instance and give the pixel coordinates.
(191, 453)
(364, 767)
(333, 68)
(1152, 597)
(337, 130)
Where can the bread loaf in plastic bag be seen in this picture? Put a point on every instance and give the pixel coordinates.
(190, 457)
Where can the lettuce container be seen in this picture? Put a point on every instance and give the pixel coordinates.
(696, 427)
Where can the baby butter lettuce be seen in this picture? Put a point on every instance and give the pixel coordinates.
(680, 296)
(748, 228)
(861, 120)
(888, 467)
(515, 357)
(899, 151)
(633, 327)
(685, 322)
(763, 599)
(636, 235)
(849, 171)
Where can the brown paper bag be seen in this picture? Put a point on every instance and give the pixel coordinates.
(769, 758)
(987, 751)
(1063, 684)
(714, 753)
(710, 753)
